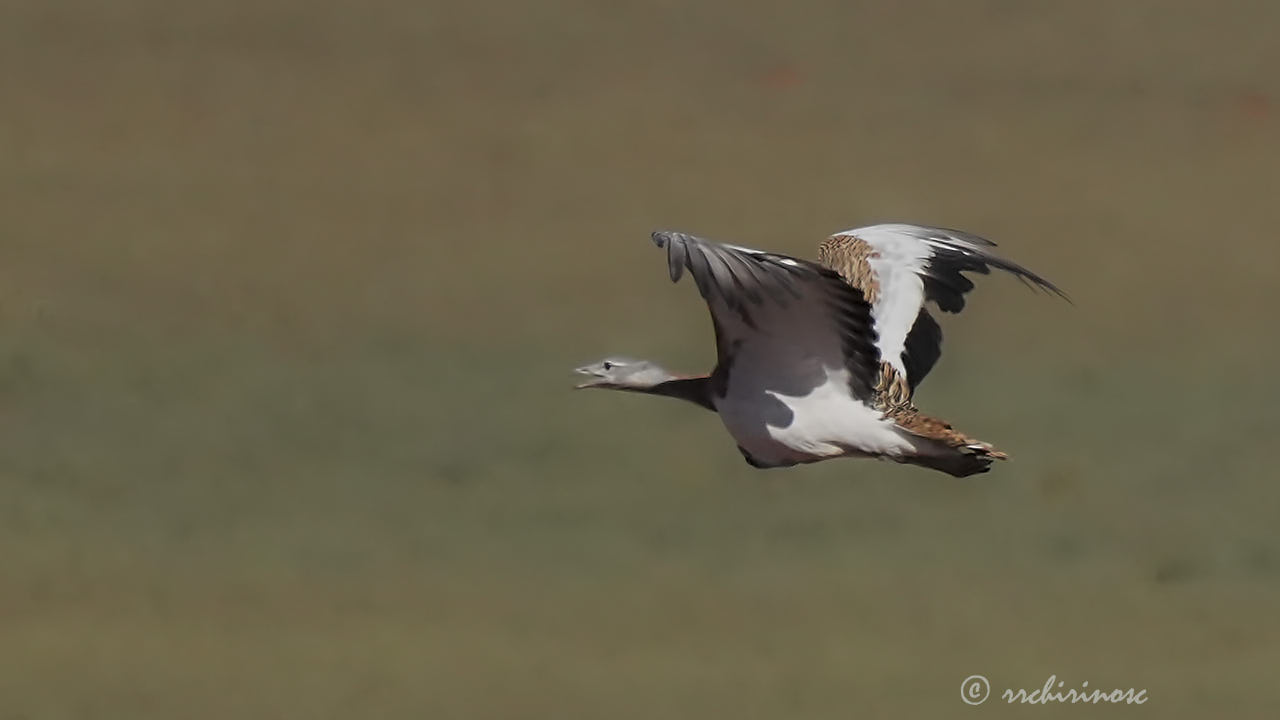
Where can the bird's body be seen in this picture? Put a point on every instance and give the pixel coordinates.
(826, 422)
(821, 360)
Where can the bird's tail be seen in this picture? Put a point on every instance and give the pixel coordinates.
(941, 447)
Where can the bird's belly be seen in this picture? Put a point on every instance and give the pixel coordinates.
(776, 429)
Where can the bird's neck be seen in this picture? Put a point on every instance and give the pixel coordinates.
(696, 390)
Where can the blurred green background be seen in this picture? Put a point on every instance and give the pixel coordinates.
(290, 293)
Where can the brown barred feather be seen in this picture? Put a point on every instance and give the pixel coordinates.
(848, 255)
(891, 391)
(916, 423)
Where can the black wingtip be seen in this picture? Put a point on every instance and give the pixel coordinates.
(1028, 278)
(1039, 284)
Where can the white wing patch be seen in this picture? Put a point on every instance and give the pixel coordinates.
(898, 262)
(915, 263)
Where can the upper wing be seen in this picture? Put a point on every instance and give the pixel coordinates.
(786, 322)
(898, 267)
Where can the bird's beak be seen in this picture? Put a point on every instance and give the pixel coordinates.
(596, 379)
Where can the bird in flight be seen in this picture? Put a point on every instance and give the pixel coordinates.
(819, 360)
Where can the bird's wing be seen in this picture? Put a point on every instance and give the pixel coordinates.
(789, 323)
(898, 267)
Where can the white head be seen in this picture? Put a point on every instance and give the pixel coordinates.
(621, 373)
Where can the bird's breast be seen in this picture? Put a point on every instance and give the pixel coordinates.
(777, 427)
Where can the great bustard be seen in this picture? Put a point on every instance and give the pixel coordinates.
(820, 360)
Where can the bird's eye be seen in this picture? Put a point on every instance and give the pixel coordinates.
(608, 365)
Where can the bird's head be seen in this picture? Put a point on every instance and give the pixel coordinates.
(619, 373)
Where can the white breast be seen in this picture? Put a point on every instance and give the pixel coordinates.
(775, 428)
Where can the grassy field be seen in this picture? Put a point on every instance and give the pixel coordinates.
(290, 292)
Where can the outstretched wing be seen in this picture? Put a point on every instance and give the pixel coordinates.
(787, 323)
(899, 267)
